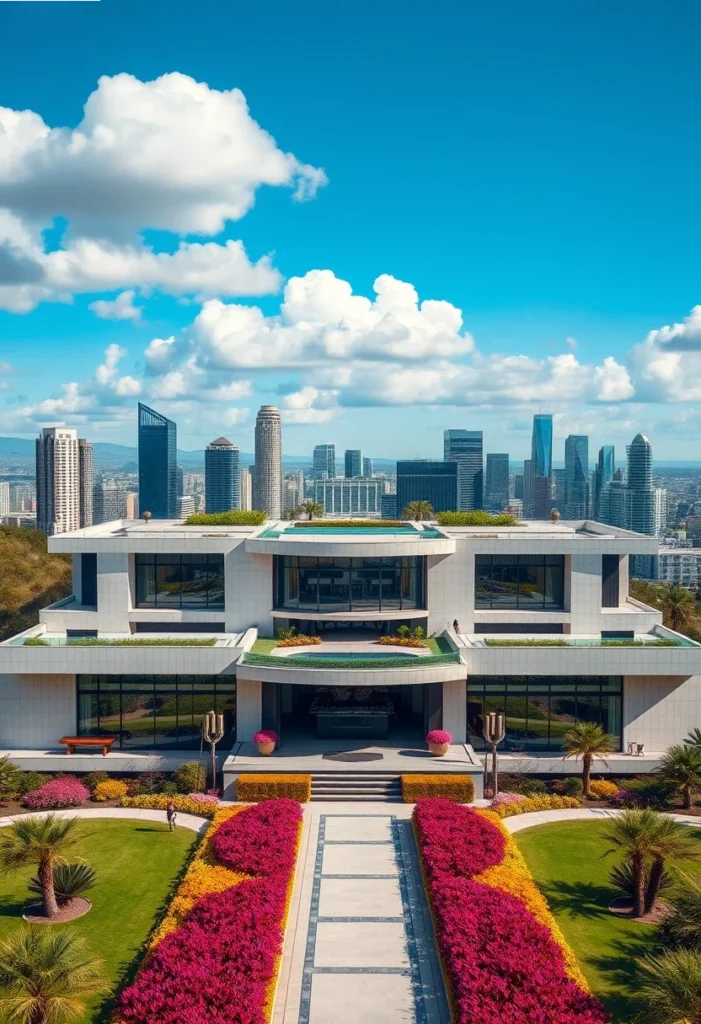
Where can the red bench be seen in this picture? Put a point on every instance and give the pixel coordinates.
(71, 742)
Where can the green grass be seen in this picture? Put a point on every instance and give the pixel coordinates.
(566, 861)
(264, 645)
(137, 865)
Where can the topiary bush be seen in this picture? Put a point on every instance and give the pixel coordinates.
(459, 788)
(235, 517)
(475, 518)
(252, 788)
(190, 777)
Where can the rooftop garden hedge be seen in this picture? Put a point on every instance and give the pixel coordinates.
(235, 517)
(475, 518)
(137, 641)
(310, 661)
(534, 642)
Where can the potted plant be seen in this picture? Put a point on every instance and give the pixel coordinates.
(265, 740)
(439, 742)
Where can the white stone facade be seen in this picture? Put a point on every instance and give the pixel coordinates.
(661, 685)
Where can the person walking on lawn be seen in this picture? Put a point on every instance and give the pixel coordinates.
(171, 815)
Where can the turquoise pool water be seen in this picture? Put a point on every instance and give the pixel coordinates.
(355, 656)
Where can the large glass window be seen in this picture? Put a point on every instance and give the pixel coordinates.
(538, 710)
(519, 582)
(154, 711)
(180, 581)
(349, 584)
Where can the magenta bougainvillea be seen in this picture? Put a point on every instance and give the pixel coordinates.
(439, 736)
(218, 966)
(67, 791)
(501, 963)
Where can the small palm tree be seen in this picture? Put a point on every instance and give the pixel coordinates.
(671, 987)
(680, 766)
(44, 975)
(311, 508)
(683, 926)
(42, 841)
(633, 833)
(694, 737)
(587, 740)
(670, 841)
(677, 604)
(419, 510)
(9, 775)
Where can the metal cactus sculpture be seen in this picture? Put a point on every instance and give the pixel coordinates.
(494, 731)
(212, 732)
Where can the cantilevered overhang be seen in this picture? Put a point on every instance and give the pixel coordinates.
(582, 661)
(322, 544)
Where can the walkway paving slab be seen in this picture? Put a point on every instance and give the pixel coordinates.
(346, 999)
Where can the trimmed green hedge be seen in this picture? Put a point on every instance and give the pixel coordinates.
(563, 643)
(360, 663)
(476, 518)
(235, 517)
(526, 643)
(349, 523)
(150, 641)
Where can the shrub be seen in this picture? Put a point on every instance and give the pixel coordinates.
(573, 786)
(31, 780)
(603, 789)
(67, 791)
(10, 775)
(253, 788)
(70, 880)
(536, 803)
(169, 788)
(204, 798)
(534, 787)
(159, 802)
(190, 777)
(265, 736)
(642, 792)
(300, 640)
(622, 877)
(508, 798)
(459, 788)
(235, 517)
(93, 778)
(439, 736)
(475, 518)
(401, 641)
(454, 839)
(110, 789)
(151, 782)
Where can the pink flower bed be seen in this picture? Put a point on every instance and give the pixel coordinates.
(204, 798)
(508, 798)
(218, 966)
(64, 792)
(500, 962)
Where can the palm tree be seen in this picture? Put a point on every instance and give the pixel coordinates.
(419, 510)
(9, 775)
(694, 737)
(670, 841)
(634, 832)
(677, 605)
(43, 841)
(44, 975)
(587, 740)
(680, 766)
(683, 926)
(671, 987)
(311, 508)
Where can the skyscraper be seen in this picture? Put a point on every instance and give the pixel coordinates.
(246, 490)
(63, 470)
(496, 491)
(537, 494)
(427, 480)
(324, 462)
(267, 472)
(109, 501)
(157, 464)
(542, 444)
(221, 476)
(354, 462)
(576, 476)
(603, 474)
(4, 498)
(367, 467)
(640, 493)
(464, 447)
(612, 501)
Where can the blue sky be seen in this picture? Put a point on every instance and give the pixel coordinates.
(534, 166)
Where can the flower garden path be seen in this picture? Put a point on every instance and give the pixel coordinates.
(359, 943)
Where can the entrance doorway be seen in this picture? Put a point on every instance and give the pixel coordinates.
(399, 714)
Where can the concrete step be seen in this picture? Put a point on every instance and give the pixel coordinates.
(359, 798)
(342, 785)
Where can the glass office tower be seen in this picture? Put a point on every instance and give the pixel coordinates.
(353, 462)
(221, 476)
(603, 474)
(157, 464)
(464, 447)
(324, 462)
(427, 480)
(542, 445)
(576, 476)
(496, 491)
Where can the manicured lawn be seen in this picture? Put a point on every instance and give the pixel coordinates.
(137, 864)
(264, 645)
(566, 861)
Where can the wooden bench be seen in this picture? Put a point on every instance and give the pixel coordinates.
(71, 742)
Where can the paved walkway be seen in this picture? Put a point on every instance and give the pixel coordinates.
(520, 821)
(189, 821)
(359, 944)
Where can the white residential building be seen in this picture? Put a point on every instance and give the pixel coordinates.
(4, 498)
(679, 565)
(64, 469)
(246, 490)
(350, 496)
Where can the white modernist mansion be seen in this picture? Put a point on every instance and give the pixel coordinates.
(593, 653)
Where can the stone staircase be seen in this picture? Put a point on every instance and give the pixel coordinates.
(357, 786)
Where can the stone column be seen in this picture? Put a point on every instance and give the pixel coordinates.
(249, 708)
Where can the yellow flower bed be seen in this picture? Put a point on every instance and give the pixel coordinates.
(602, 789)
(254, 788)
(451, 787)
(110, 789)
(159, 802)
(536, 803)
(204, 876)
(512, 876)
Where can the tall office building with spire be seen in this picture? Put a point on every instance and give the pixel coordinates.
(158, 444)
(64, 481)
(538, 470)
(464, 447)
(267, 472)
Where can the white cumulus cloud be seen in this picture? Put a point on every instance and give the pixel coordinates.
(121, 308)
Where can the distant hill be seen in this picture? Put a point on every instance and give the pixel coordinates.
(30, 578)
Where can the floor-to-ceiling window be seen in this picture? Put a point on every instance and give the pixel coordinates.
(520, 582)
(349, 584)
(538, 710)
(154, 711)
(179, 581)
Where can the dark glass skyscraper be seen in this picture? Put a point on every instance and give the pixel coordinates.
(324, 462)
(353, 462)
(221, 476)
(603, 474)
(496, 491)
(542, 444)
(427, 480)
(157, 466)
(464, 447)
(538, 470)
(576, 476)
